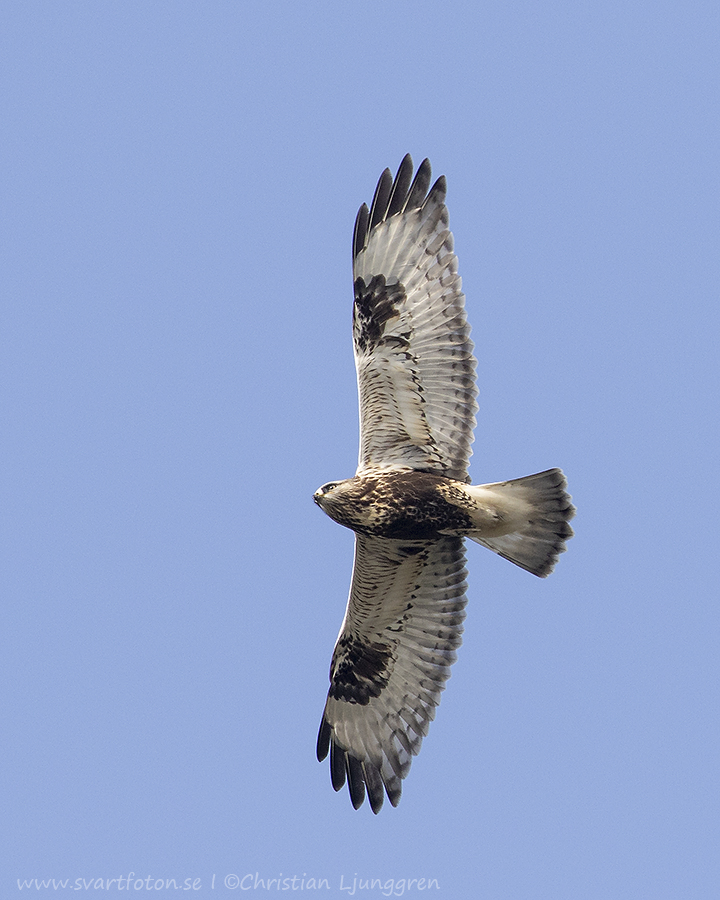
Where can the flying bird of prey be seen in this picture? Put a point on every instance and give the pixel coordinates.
(410, 502)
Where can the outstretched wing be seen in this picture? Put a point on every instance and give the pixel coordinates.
(416, 371)
(397, 642)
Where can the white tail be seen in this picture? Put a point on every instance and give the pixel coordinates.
(531, 519)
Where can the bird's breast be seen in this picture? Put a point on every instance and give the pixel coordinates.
(400, 505)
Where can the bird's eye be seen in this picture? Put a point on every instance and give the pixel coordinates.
(329, 486)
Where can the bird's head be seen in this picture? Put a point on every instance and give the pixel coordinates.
(339, 500)
(321, 494)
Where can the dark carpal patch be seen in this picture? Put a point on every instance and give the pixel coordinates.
(375, 304)
(359, 670)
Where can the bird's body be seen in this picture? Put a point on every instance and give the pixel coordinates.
(399, 505)
(415, 506)
(410, 503)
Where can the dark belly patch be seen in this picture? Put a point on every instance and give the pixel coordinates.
(412, 506)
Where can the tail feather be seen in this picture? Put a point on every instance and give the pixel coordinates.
(537, 510)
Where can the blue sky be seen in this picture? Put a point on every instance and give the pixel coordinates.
(179, 185)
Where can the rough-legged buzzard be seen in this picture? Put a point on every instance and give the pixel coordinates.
(410, 503)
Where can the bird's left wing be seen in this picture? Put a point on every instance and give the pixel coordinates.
(413, 353)
(397, 642)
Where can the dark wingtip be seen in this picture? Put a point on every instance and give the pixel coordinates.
(406, 162)
(323, 741)
(363, 779)
(362, 221)
(420, 185)
(374, 785)
(337, 766)
(381, 198)
(438, 192)
(400, 186)
(356, 781)
(393, 196)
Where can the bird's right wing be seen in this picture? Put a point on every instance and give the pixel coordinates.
(397, 642)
